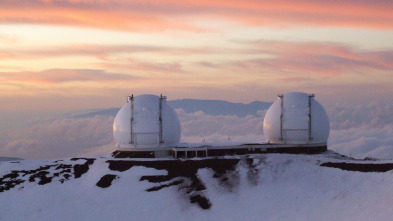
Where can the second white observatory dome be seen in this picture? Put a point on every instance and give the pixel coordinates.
(296, 118)
(146, 121)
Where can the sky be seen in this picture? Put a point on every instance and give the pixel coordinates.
(65, 56)
(60, 55)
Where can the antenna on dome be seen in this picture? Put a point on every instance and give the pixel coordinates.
(281, 97)
(310, 97)
(160, 120)
(130, 98)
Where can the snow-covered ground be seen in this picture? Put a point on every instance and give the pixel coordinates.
(255, 187)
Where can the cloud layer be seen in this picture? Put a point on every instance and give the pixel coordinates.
(358, 131)
(313, 58)
(64, 137)
(159, 15)
(198, 127)
(316, 58)
(372, 115)
(364, 141)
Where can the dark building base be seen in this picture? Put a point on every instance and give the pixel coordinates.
(133, 154)
(210, 151)
(244, 151)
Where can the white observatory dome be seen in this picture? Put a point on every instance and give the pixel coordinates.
(146, 121)
(296, 118)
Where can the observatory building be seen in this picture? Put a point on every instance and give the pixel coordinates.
(296, 118)
(147, 127)
(146, 122)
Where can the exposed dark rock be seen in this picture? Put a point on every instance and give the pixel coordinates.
(156, 188)
(80, 169)
(43, 174)
(176, 168)
(180, 171)
(201, 200)
(156, 179)
(197, 184)
(106, 181)
(9, 181)
(360, 167)
(252, 173)
(67, 176)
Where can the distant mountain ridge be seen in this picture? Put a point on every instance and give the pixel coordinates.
(10, 159)
(210, 107)
(219, 107)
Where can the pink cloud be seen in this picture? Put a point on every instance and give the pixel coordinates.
(327, 59)
(323, 58)
(158, 15)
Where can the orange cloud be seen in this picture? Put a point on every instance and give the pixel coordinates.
(106, 15)
(152, 15)
(328, 59)
(94, 50)
(314, 58)
(101, 51)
